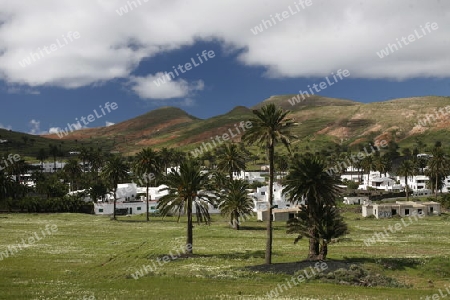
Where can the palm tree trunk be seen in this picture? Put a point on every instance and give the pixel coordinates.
(436, 187)
(114, 208)
(147, 203)
(323, 250)
(406, 187)
(189, 246)
(268, 256)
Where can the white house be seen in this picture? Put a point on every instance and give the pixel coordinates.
(261, 198)
(401, 208)
(249, 176)
(128, 208)
(355, 200)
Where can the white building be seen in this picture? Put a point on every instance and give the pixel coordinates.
(249, 176)
(401, 208)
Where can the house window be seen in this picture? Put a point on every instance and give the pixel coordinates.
(100, 210)
(394, 212)
(152, 207)
(139, 208)
(291, 216)
(406, 211)
(263, 193)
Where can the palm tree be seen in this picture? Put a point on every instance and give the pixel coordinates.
(165, 156)
(236, 203)
(84, 155)
(308, 180)
(230, 159)
(145, 164)
(329, 224)
(54, 152)
(95, 160)
(115, 171)
(73, 170)
(406, 168)
(269, 127)
(185, 187)
(368, 164)
(438, 166)
(42, 155)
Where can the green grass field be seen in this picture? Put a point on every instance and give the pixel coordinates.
(92, 257)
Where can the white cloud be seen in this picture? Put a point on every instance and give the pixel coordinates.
(149, 87)
(53, 130)
(314, 42)
(35, 126)
(7, 127)
(109, 124)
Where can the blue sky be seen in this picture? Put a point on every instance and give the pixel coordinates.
(117, 58)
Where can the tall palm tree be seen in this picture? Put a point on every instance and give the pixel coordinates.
(115, 171)
(54, 152)
(41, 156)
(438, 166)
(406, 168)
(308, 180)
(146, 163)
(230, 159)
(368, 164)
(235, 202)
(73, 171)
(84, 156)
(185, 187)
(95, 160)
(269, 127)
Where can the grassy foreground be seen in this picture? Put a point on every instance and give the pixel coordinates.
(92, 257)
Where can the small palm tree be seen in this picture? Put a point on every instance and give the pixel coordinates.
(235, 203)
(406, 168)
(308, 180)
(230, 159)
(115, 171)
(328, 224)
(146, 163)
(269, 127)
(185, 187)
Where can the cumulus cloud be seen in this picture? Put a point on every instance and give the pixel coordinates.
(151, 87)
(53, 130)
(35, 127)
(315, 41)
